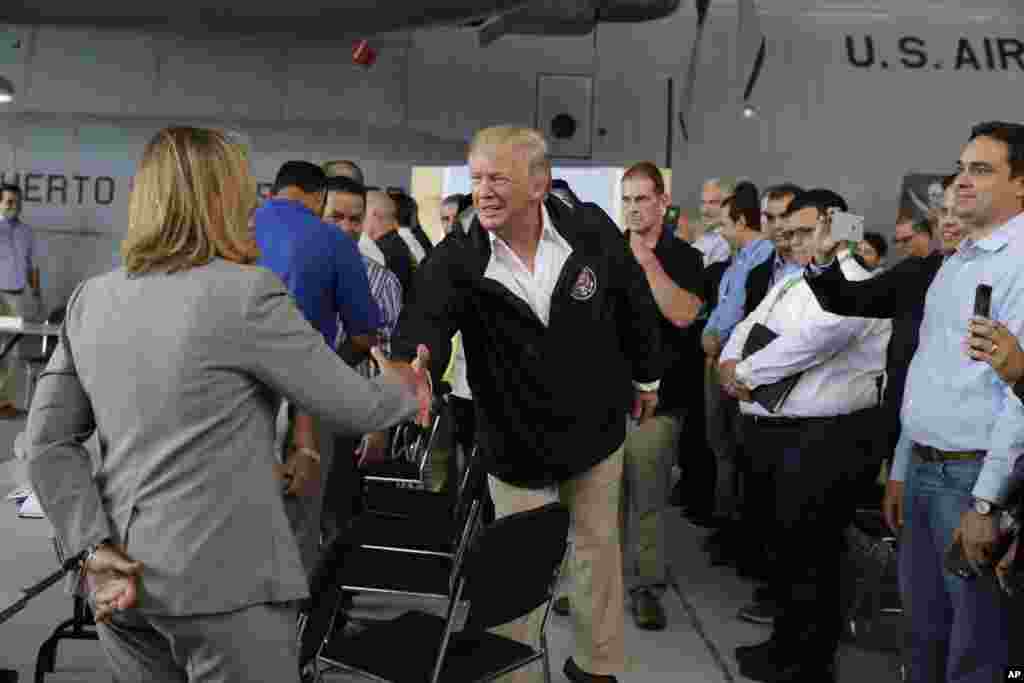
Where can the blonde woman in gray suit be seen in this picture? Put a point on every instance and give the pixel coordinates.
(178, 361)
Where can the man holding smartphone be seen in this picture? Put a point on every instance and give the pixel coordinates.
(961, 427)
(819, 443)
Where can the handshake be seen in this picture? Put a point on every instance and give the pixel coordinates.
(415, 375)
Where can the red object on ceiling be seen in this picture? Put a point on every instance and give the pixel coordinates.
(363, 54)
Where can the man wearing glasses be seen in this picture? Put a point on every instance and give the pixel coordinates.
(764, 276)
(760, 477)
(913, 239)
(961, 427)
(820, 442)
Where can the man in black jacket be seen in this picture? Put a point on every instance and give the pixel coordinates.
(898, 293)
(380, 226)
(560, 331)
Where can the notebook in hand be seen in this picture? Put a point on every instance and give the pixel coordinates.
(30, 508)
(769, 396)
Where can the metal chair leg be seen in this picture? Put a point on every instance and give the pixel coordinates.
(547, 658)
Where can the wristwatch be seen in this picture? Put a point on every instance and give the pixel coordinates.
(983, 507)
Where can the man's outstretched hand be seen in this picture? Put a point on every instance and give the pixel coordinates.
(415, 375)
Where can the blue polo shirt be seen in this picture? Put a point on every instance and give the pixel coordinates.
(319, 265)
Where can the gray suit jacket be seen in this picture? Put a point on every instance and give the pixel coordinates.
(181, 376)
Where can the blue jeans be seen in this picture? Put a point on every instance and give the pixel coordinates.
(959, 631)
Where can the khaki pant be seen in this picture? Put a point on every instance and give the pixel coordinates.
(10, 305)
(597, 597)
(650, 450)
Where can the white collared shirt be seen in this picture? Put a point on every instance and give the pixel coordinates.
(414, 246)
(537, 287)
(841, 358)
(714, 247)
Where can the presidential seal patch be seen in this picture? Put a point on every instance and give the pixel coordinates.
(586, 285)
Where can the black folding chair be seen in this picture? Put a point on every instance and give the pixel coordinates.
(81, 625)
(346, 570)
(420, 520)
(873, 549)
(534, 542)
(410, 448)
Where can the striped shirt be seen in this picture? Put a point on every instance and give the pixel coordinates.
(386, 290)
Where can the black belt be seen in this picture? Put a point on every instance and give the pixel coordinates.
(11, 291)
(929, 454)
(790, 421)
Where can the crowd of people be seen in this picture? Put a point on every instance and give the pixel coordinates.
(247, 348)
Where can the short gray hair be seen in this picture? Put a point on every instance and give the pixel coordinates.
(726, 185)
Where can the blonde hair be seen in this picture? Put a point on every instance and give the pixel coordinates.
(530, 139)
(190, 203)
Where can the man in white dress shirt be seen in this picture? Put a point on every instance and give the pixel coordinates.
(561, 335)
(820, 441)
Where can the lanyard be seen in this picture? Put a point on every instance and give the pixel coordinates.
(785, 290)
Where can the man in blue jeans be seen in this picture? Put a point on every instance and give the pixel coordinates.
(962, 430)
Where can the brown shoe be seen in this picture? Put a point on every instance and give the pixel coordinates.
(648, 613)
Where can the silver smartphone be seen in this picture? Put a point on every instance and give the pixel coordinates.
(847, 227)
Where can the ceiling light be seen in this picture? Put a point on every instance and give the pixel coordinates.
(6, 90)
(749, 112)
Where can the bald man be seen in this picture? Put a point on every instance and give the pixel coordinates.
(346, 168)
(381, 238)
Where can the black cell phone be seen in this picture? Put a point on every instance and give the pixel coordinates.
(957, 564)
(983, 301)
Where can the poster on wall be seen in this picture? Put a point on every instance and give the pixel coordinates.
(921, 196)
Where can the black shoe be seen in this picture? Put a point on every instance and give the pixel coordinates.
(561, 606)
(713, 540)
(676, 498)
(722, 556)
(763, 613)
(578, 675)
(752, 571)
(648, 613)
(766, 649)
(701, 519)
(768, 671)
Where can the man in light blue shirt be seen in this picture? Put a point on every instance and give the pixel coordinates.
(962, 432)
(741, 226)
(18, 273)
(752, 249)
